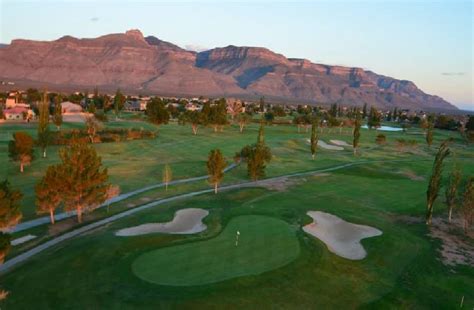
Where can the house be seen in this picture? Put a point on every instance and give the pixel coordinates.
(132, 105)
(192, 107)
(70, 107)
(18, 113)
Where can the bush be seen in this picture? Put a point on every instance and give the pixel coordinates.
(381, 139)
(101, 116)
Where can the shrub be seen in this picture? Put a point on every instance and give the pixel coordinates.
(381, 139)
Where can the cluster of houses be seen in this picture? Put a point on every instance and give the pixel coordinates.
(15, 108)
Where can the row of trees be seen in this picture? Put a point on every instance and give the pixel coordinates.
(466, 201)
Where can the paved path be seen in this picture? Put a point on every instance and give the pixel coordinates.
(61, 216)
(8, 265)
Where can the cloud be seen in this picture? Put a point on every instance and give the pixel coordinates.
(196, 47)
(94, 19)
(453, 73)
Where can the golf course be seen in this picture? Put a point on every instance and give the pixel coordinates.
(254, 241)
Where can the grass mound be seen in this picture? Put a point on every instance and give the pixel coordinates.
(265, 244)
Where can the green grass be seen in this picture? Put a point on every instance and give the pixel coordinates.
(402, 269)
(264, 244)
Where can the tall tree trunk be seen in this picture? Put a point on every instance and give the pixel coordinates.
(21, 167)
(166, 186)
(429, 213)
(51, 215)
(450, 214)
(44, 153)
(313, 155)
(194, 127)
(241, 128)
(215, 188)
(79, 214)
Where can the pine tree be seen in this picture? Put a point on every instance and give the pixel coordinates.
(20, 149)
(215, 168)
(119, 101)
(259, 155)
(157, 112)
(48, 192)
(10, 213)
(84, 181)
(314, 137)
(435, 179)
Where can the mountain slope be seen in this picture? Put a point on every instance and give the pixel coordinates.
(133, 62)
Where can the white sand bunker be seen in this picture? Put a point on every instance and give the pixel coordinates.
(341, 237)
(326, 146)
(339, 143)
(186, 221)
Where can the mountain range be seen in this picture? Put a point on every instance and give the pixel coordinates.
(148, 65)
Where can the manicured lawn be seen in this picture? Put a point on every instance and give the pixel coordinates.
(134, 164)
(264, 244)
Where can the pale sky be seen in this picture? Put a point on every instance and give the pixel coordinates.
(427, 42)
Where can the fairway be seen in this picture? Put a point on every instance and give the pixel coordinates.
(265, 244)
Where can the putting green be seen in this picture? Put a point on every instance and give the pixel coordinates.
(265, 244)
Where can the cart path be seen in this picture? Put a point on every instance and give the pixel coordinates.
(64, 215)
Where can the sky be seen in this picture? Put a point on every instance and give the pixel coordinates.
(427, 42)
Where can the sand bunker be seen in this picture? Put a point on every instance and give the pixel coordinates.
(341, 237)
(186, 221)
(339, 143)
(326, 146)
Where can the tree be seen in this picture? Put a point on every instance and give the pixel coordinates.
(48, 192)
(468, 205)
(215, 168)
(269, 117)
(435, 179)
(451, 190)
(314, 137)
(84, 181)
(243, 119)
(2, 114)
(58, 112)
(374, 118)
(381, 139)
(364, 111)
(157, 112)
(258, 156)
(167, 175)
(20, 149)
(195, 118)
(356, 138)
(217, 117)
(10, 213)
(44, 134)
(93, 126)
(119, 101)
(429, 134)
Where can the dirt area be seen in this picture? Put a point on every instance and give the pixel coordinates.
(341, 237)
(456, 248)
(186, 221)
(411, 175)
